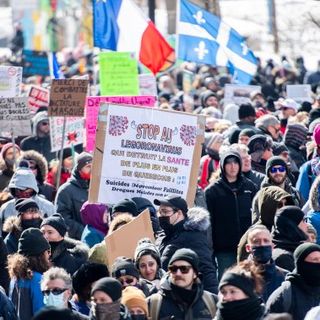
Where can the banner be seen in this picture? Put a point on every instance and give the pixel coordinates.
(73, 134)
(238, 94)
(37, 97)
(35, 63)
(299, 92)
(145, 152)
(147, 85)
(92, 111)
(15, 116)
(68, 97)
(118, 74)
(10, 81)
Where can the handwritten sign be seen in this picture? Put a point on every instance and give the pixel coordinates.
(35, 63)
(147, 85)
(37, 97)
(118, 74)
(68, 97)
(10, 81)
(299, 92)
(238, 94)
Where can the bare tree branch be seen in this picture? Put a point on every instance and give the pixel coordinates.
(314, 20)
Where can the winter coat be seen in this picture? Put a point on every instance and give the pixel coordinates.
(5, 175)
(255, 176)
(305, 180)
(173, 305)
(91, 236)
(230, 211)
(4, 275)
(298, 156)
(191, 233)
(294, 296)
(13, 229)
(7, 310)
(314, 213)
(70, 254)
(69, 200)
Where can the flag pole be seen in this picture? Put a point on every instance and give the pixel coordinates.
(178, 10)
(61, 153)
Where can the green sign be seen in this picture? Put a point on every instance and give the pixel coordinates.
(118, 74)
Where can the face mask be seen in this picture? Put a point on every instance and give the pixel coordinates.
(54, 300)
(165, 225)
(310, 272)
(107, 311)
(85, 175)
(262, 254)
(138, 317)
(33, 223)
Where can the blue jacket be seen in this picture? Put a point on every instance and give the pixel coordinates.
(7, 311)
(305, 180)
(314, 213)
(91, 236)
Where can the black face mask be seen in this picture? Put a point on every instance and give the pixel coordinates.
(262, 254)
(310, 272)
(138, 317)
(33, 223)
(165, 225)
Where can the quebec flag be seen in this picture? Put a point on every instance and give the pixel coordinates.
(204, 38)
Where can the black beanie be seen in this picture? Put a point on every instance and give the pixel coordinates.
(275, 161)
(54, 313)
(126, 205)
(66, 153)
(23, 204)
(278, 148)
(110, 286)
(124, 267)
(302, 252)
(83, 159)
(247, 132)
(32, 242)
(292, 213)
(57, 222)
(246, 110)
(186, 255)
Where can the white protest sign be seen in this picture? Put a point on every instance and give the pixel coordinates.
(299, 92)
(10, 81)
(73, 134)
(38, 97)
(147, 85)
(238, 94)
(15, 116)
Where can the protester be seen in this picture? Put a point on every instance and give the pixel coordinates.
(124, 206)
(135, 300)
(314, 203)
(245, 135)
(268, 124)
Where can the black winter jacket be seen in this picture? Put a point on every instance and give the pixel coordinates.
(255, 176)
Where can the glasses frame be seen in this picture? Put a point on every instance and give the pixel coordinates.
(54, 291)
(281, 169)
(184, 269)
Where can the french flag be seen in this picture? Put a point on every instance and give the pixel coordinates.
(120, 25)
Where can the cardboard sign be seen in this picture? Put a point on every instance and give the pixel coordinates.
(299, 92)
(73, 134)
(147, 85)
(118, 74)
(132, 232)
(145, 152)
(68, 97)
(238, 94)
(92, 110)
(10, 81)
(35, 63)
(37, 97)
(15, 116)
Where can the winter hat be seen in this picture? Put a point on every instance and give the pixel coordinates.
(316, 134)
(54, 313)
(22, 179)
(247, 132)
(174, 202)
(23, 204)
(306, 106)
(126, 205)
(66, 153)
(146, 247)
(83, 159)
(92, 215)
(124, 267)
(302, 251)
(165, 95)
(275, 161)
(246, 110)
(7, 146)
(290, 104)
(57, 222)
(144, 203)
(278, 148)
(292, 213)
(314, 115)
(133, 297)
(215, 137)
(205, 96)
(257, 145)
(230, 112)
(295, 135)
(112, 287)
(32, 242)
(188, 255)
(39, 117)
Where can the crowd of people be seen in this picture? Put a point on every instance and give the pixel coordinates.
(249, 247)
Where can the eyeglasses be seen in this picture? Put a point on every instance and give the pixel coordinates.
(166, 213)
(54, 291)
(44, 123)
(183, 269)
(277, 169)
(126, 280)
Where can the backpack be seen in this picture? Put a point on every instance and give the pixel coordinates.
(156, 301)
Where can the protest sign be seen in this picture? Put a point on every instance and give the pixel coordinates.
(299, 92)
(15, 116)
(187, 81)
(92, 110)
(238, 94)
(140, 227)
(145, 152)
(118, 74)
(68, 97)
(73, 132)
(10, 81)
(35, 63)
(147, 85)
(37, 97)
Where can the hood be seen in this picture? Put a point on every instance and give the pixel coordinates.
(12, 224)
(231, 112)
(23, 178)
(223, 159)
(198, 219)
(73, 246)
(204, 97)
(40, 116)
(314, 195)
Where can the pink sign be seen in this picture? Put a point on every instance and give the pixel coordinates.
(92, 111)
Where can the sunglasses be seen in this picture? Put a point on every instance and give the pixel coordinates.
(183, 269)
(44, 123)
(277, 169)
(126, 280)
(54, 291)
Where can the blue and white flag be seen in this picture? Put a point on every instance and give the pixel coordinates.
(54, 67)
(205, 38)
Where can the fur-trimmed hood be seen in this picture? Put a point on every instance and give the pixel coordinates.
(198, 219)
(314, 195)
(74, 247)
(12, 224)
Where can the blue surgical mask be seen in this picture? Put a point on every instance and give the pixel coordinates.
(54, 300)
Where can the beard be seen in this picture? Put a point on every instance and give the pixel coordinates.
(278, 179)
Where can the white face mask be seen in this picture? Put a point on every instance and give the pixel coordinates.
(54, 300)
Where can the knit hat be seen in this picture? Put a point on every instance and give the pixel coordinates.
(124, 267)
(275, 161)
(125, 205)
(316, 134)
(215, 137)
(32, 242)
(83, 159)
(188, 255)
(7, 146)
(295, 135)
(133, 297)
(57, 222)
(205, 96)
(278, 148)
(112, 287)
(314, 115)
(23, 204)
(174, 202)
(257, 145)
(302, 251)
(247, 132)
(146, 247)
(66, 153)
(246, 110)
(54, 313)
(293, 213)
